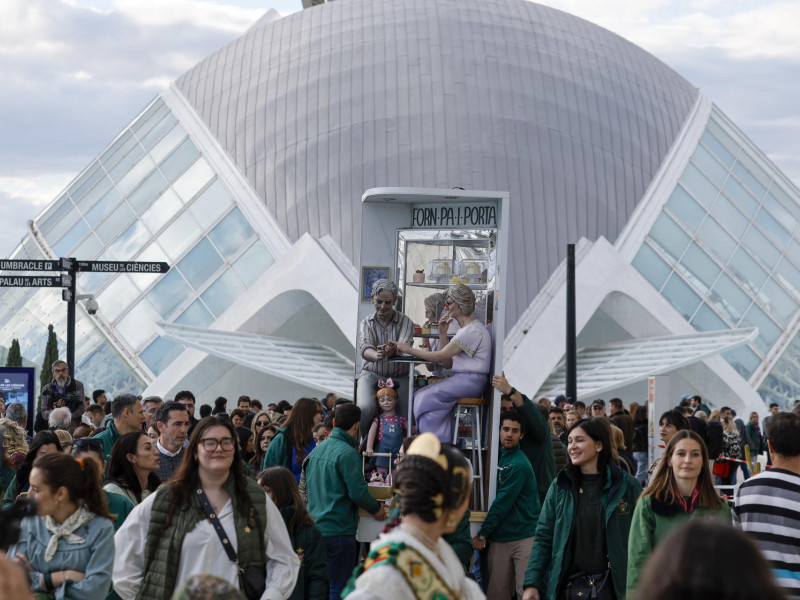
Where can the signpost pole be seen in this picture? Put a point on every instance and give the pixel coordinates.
(71, 319)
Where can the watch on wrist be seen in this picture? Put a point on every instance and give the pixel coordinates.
(482, 537)
(512, 392)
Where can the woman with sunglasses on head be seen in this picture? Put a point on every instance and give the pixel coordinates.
(91, 449)
(68, 547)
(681, 489)
(582, 535)
(132, 472)
(209, 518)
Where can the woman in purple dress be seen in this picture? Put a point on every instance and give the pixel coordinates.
(468, 354)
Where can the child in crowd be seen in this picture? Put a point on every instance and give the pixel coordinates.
(388, 427)
(281, 487)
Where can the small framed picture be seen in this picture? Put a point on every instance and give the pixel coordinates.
(369, 275)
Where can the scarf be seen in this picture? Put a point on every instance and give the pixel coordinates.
(692, 502)
(66, 530)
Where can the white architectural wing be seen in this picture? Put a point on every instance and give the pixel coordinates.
(607, 367)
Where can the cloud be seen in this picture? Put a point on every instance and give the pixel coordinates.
(157, 13)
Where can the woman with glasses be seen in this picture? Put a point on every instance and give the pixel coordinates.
(178, 531)
(468, 354)
(132, 472)
(294, 440)
(260, 422)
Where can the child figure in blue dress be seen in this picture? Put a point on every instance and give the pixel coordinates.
(388, 427)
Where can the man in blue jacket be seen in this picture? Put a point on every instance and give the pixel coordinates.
(511, 521)
(336, 490)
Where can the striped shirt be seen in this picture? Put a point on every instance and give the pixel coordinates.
(372, 334)
(768, 509)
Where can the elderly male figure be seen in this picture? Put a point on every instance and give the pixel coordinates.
(126, 417)
(172, 422)
(384, 325)
(767, 504)
(16, 411)
(63, 390)
(150, 404)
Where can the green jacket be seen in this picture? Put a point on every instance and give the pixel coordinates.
(336, 486)
(515, 510)
(555, 528)
(312, 581)
(537, 445)
(9, 497)
(652, 521)
(276, 451)
(109, 437)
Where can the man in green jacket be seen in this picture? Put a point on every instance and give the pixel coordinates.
(127, 415)
(336, 489)
(511, 521)
(537, 444)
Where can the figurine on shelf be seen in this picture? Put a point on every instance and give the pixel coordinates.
(388, 427)
(419, 276)
(468, 354)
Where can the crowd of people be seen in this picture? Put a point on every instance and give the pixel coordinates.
(136, 498)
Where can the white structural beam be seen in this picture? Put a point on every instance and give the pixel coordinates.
(607, 367)
(311, 365)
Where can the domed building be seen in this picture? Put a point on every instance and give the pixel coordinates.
(246, 176)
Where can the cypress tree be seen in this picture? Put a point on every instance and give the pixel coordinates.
(14, 355)
(50, 356)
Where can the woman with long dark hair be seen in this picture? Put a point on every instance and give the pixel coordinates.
(44, 442)
(681, 489)
(132, 471)
(312, 583)
(178, 531)
(413, 560)
(294, 440)
(584, 523)
(68, 547)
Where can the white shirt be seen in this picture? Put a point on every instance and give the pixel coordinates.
(202, 552)
(167, 452)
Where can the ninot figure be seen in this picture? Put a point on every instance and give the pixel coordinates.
(388, 427)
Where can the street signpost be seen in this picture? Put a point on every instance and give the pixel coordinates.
(67, 280)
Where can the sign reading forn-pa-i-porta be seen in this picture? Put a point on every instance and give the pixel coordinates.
(67, 280)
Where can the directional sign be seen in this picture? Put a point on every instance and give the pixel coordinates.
(110, 266)
(30, 265)
(44, 281)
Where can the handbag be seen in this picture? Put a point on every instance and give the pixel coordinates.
(252, 580)
(589, 587)
(722, 469)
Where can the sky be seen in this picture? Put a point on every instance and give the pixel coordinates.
(75, 73)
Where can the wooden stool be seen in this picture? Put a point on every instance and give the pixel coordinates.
(469, 409)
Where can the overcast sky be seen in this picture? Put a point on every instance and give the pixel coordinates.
(75, 72)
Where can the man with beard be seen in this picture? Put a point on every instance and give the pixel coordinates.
(63, 390)
(559, 422)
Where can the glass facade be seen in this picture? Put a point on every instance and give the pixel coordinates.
(149, 196)
(723, 253)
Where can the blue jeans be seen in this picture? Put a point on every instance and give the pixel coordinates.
(641, 466)
(342, 557)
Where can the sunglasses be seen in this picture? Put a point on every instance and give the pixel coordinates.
(262, 423)
(92, 443)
